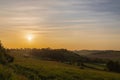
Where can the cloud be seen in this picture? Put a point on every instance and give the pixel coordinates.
(60, 13)
(76, 22)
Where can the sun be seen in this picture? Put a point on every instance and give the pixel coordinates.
(30, 37)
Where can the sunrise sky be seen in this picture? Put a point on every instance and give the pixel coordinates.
(71, 24)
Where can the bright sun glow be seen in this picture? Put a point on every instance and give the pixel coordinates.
(29, 37)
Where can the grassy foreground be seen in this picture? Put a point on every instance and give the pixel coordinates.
(35, 69)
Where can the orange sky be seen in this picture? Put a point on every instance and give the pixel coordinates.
(71, 24)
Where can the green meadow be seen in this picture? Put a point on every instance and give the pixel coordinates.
(30, 68)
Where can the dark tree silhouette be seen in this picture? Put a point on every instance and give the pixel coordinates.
(4, 57)
(113, 66)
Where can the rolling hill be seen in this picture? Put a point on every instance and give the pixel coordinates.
(107, 54)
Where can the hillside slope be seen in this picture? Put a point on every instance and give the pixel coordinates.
(108, 54)
(36, 69)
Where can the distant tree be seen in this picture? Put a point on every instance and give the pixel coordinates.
(4, 57)
(113, 66)
(60, 55)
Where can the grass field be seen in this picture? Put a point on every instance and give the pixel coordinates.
(35, 69)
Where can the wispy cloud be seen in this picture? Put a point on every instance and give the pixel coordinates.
(71, 18)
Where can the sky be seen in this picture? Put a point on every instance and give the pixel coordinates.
(71, 24)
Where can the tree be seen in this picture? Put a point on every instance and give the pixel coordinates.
(113, 66)
(4, 57)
